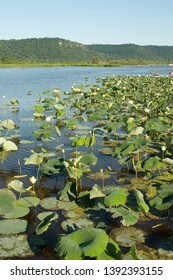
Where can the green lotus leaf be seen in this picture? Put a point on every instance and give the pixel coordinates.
(7, 201)
(164, 199)
(112, 252)
(8, 124)
(90, 141)
(39, 109)
(18, 212)
(96, 192)
(116, 197)
(8, 146)
(49, 203)
(41, 216)
(76, 223)
(99, 176)
(16, 185)
(89, 159)
(34, 159)
(12, 226)
(140, 201)
(124, 149)
(14, 101)
(86, 242)
(15, 246)
(52, 166)
(79, 141)
(136, 131)
(127, 237)
(153, 163)
(45, 224)
(28, 201)
(129, 217)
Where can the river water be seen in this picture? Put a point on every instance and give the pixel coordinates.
(18, 82)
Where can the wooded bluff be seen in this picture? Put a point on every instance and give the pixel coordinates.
(57, 50)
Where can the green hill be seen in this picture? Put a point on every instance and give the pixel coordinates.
(56, 50)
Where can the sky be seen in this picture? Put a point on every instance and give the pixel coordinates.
(142, 22)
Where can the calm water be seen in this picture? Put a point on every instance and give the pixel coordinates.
(17, 82)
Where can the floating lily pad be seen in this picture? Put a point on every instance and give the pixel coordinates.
(106, 151)
(18, 212)
(49, 203)
(99, 175)
(7, 201)
(76, 223)
(28, 201)
(12, 226)
(127, 237)
(15, 246)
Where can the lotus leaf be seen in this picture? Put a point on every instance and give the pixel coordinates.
(112, 252)
(76, 223)
(140, 201)
(129, 217)
(8, 124)
(16, 185)
(28, 201)
(43, 215)
(45, 224)
(34, 159)
(7, 201)
(116, 197)
(89, 159)
(8, 146)
(52, 166)
(49, 203)
(12, 226)
(127, 237)
(86, 242)
(153, 163)
(96, 192)
(18, 212)
(15, 246)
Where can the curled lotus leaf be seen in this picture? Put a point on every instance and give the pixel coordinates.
(85, 242)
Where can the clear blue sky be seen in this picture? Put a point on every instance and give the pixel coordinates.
(143, 22)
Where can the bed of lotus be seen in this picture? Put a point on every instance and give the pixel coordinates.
(107, 150)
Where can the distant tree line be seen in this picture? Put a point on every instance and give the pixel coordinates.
(51, 50)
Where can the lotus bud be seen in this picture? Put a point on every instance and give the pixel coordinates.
(131, 102)
(163, 148)
(33, 180)
(147, 110)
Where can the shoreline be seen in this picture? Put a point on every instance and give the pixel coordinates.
(32, 65)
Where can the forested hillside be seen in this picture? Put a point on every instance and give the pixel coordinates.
(56, 50)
